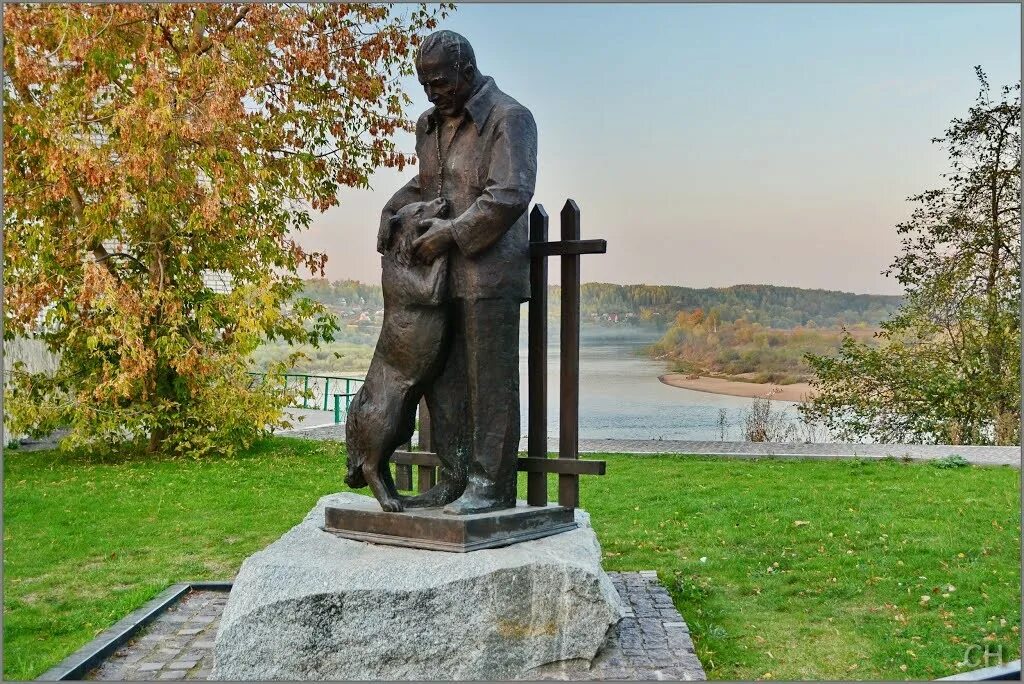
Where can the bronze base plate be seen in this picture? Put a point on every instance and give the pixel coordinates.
(432, 529)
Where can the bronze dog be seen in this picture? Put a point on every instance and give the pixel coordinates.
(407, 358)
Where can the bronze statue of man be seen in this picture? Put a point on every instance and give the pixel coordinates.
(476, 147)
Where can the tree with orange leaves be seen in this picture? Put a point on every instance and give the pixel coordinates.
(148, 146)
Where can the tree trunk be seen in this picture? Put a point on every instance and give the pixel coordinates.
(994, 337)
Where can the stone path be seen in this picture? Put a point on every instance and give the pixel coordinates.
(979, 455)
(177, 645)
(652, 642)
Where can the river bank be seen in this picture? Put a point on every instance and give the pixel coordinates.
(735, 388)
(621, 397)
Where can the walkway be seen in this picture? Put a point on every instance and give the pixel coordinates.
(652, 641)
(978, 455)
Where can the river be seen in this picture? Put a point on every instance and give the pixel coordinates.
(622, 398)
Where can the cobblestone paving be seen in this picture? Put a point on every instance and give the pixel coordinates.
(980, 455)
(177, 645)
(651, 642)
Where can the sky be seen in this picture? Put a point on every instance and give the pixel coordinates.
(714, 145)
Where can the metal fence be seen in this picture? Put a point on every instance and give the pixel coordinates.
(318, 392)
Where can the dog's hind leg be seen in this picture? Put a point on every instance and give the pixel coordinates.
(356, 442)
(370, 432)
(448, 413)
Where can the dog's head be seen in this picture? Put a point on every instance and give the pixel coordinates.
(405, 223)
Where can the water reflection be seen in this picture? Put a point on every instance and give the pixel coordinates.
(622, 398)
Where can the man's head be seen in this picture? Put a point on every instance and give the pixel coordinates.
(446, 67)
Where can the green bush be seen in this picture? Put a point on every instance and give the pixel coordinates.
(952, 461)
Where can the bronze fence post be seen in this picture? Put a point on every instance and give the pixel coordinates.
(426, 476)
(537, 359)
(569, 377)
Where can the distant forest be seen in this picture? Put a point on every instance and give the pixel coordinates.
(656, 306)
(769, 305)
(701, 344)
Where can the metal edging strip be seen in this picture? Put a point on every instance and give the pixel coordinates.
(79, 663)
(1007, 672)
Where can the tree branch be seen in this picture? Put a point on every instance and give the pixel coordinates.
(99, 252)
(123, 255)
(165, 32)
(230, 27)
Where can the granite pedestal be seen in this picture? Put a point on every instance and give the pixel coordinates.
(316, 606)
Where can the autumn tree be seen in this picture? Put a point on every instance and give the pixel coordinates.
(153, 151)
(948, 365)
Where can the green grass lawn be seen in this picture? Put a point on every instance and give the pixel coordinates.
(783, 569)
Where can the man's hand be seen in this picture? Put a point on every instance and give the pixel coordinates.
(435, 240)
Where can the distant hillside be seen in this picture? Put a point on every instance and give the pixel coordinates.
(656, 306)
(770, 305)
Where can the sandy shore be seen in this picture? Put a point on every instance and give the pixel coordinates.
(795, 392)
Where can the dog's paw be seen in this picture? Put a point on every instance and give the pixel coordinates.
(392, 505)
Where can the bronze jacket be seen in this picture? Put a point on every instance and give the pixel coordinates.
(488, 173)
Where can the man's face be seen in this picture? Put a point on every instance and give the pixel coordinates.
(445, 88)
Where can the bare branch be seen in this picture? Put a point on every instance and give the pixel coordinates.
(99, 252)
(155, 13)
(230, 27)
(122, 255)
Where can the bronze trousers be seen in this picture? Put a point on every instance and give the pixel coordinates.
(474, 403)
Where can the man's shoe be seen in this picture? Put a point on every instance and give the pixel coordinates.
(473, 500)
(438, 495)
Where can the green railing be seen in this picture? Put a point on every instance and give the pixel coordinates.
(316, 391)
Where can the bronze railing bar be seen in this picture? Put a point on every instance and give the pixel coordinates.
(568, 248)
(417, 458)
(562, 466)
